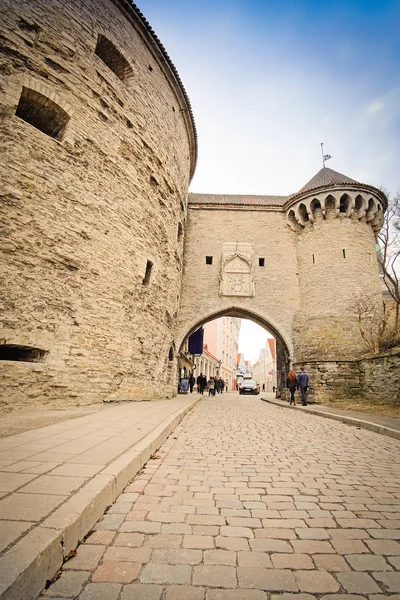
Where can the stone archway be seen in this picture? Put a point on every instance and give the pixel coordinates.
(283, 356)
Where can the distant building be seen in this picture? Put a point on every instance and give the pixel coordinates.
(207, 363)
(220, 345)
(264, 370)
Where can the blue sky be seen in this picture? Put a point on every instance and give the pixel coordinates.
(269, 80)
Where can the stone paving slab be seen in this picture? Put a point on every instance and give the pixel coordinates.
(56, 482)
(333, 531)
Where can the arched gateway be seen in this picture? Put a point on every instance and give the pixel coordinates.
(283, 351)
(294, 264)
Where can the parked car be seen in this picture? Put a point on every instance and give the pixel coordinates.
(249, 386)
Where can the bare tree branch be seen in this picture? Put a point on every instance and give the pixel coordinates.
(389, 255)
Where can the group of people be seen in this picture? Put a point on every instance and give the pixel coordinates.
(298, 382)
(213, 385)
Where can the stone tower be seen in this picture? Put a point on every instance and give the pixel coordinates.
(98, 145)
(335, 220)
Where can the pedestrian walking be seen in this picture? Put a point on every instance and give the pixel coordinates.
(291, 384)
(263, 388)
(303, 382)
(226, 385)
(221, 385)
(211, 386)
(198, 382)
(192, 381)
(203, 384)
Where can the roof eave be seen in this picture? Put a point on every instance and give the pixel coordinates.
(337, 187)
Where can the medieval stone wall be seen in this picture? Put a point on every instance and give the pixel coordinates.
(375, 378)
(273, 294)
(337, 265)
(93, 204)
(380, 376)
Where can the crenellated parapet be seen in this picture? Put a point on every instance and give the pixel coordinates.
(336, 200)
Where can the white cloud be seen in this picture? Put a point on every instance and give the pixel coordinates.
(375, 107)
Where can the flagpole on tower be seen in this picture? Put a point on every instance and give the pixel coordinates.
(325, 157)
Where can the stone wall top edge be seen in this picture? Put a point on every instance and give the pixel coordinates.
(241, 207)
(345, 187)
(150, 38)
(383, 354)
(325, 361)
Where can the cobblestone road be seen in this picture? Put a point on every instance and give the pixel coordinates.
(248, 501)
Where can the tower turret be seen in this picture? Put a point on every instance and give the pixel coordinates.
(336, 220)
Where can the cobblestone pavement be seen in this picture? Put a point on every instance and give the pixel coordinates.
(249, 501)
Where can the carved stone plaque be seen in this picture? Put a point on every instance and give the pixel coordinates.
(237, 277)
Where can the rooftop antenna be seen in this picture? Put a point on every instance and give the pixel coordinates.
(325, 157)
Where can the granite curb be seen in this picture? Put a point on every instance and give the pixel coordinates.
(40, 554)
(394, 433)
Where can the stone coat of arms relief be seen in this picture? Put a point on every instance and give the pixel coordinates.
(237, 270)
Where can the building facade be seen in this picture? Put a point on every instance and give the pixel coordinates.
(207, 364)
(221, 338)
(264, 370)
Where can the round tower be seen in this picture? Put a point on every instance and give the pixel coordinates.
(336, 220)
(98, 147)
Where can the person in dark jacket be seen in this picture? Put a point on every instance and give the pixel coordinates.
(198, 381)
(192, 381)
(291, 384)
(303, 383)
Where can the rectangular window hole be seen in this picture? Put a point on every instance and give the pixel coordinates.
(313, 259)
(261, 262)
(41, 112)
(113, 58)
(147, 275)
(344, 253)
(209, 260)
(21, 353)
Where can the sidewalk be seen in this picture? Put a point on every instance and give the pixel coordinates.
(389, 426)
(56, 481)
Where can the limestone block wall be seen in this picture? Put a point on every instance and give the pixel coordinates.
(93, 202)
(332, 380)
(380, 376)
(375, 378)
(276, 293)
(337, 264)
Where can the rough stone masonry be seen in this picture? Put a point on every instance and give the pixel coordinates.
(108, 263)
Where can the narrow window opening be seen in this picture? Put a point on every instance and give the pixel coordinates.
(171, 354)
(303, 213)
(113, 58)
(41, 112)
(146, 278)
(261, 262)
(344, 253)
(21, 353)
(344, 203)
(180, 231)
(150, 68)
(209, 260)
(313, 259)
